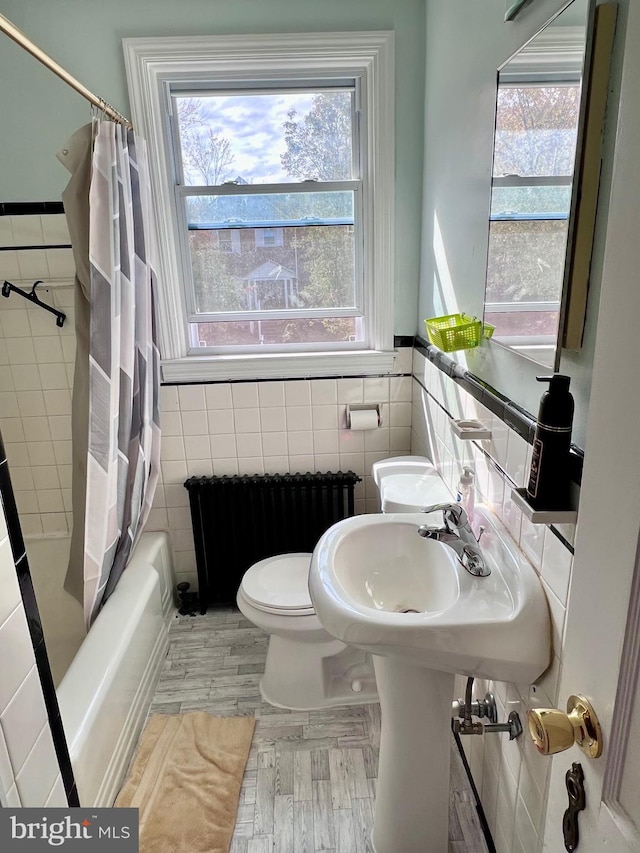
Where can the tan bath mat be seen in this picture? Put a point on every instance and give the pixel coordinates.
(185, 780)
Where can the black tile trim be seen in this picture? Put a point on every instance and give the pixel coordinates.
(34, 624)
(35, 248)
(403, 340)
(30, 208)
(515, 416)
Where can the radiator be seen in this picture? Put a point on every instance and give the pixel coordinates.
(242, 519)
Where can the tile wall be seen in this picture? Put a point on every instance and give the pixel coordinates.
(29, 771)
(512, 777)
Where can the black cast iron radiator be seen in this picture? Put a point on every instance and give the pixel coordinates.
(242, 519)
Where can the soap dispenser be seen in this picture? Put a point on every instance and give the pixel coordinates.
(549, 477)
(466, 492)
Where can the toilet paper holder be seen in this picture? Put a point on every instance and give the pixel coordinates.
(362, 407)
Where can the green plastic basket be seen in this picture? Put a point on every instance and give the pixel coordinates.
(457, 331)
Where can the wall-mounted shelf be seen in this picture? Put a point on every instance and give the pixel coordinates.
(542, 516)
(469, 429)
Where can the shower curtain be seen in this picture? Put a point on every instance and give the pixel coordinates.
(122, 435)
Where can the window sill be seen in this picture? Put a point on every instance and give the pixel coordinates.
(223, 368)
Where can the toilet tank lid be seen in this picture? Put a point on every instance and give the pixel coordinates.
(280, 582)
(401, 465)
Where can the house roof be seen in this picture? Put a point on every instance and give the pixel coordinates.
(269, 271)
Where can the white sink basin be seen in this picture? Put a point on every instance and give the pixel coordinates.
(369, 572)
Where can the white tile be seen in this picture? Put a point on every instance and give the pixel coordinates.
(350, 391)
(244, 395)
(158, 519)
(327, 461)
(223, 446)
(42, 452)
(172, 448)
(12, 429)
(249, 445)
(53, 376)
(55, 522)
(194, 423)
(191, 398)
(174, 472)
(197, 446)
(6, 232)
(246, 420)
(516, 458)
(325, 441)
(251, 465)
(65, 475)
(324, 392)
(57, 797)
(218, 396)
(545, 689)
(511, 516)
(525, 831)
(300, 442)
(400, 389)
(50, 500)
(297, 393)
(376, 390)
(26, 377)
(15, 324)
(556, 565)
(36, 429)
(54, 228)
(6, 379)
(275, 444)
(221, 421)
(557, 612)
(273, 420)
(45, 477)
(62, 451)
(7, 776)
(39, 772)
(48, 350)
(353, 462)
(169, 398)
(16, 653)
(22, 351)
(324, 417)
(298, 418)
(9, 589)
(276, 464)
(377, 439)
(23, 719)
(17, 453)
(400, 414)
(33, 264)
(170, 423)
(176, 495)
(61, 263)
(350, 442)
(400, 439)
(222, 467)
(301, 463)
(68, 349)
(9, 268)
(21, 480)
(270, 394)
(4, 353)
(403, 360)
(531, 541)
(27, 230)
(32, 403)
(531, 794)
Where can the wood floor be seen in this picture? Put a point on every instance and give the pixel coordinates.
(310, 781)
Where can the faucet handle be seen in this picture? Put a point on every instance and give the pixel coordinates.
(452, 512)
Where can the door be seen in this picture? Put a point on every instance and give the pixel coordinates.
(601, 655)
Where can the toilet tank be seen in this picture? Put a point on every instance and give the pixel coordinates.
(408, 484)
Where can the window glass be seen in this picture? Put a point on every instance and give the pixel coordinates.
(266, 138)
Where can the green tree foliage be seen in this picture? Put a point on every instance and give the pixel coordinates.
(319, 146)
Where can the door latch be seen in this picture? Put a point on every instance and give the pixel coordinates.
(574, 780)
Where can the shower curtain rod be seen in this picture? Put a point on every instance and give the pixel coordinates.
(20, 38)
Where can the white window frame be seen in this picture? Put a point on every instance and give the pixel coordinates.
(151, 63)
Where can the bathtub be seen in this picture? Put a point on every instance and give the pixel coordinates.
(105, 679)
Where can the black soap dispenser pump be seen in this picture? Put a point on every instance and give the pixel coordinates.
(549, 479)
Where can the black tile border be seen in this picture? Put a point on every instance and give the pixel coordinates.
(34, 623)
(516, 417)
(30, 208)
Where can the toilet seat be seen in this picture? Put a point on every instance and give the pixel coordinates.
(280, 585)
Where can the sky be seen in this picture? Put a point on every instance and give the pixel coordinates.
(253, 124)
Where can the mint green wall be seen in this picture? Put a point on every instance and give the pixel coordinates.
(39, 112)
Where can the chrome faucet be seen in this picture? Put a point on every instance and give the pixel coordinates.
(458, 535)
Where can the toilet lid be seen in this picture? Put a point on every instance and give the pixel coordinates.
(279, 583)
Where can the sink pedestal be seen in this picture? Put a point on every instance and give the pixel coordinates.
(412, 799)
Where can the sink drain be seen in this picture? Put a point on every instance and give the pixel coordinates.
(407, 610)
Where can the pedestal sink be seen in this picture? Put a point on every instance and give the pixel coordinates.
(376, 584)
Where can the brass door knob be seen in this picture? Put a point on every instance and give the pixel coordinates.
(554, 731)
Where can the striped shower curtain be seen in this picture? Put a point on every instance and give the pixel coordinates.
(124, 367)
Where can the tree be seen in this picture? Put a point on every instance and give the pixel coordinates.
(206, 155)
(319, 146)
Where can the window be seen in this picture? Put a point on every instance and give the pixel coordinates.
(273, 172)
(534, 154)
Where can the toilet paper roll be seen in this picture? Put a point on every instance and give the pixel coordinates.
(364, 419)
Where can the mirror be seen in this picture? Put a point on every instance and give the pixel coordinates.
(538, 109)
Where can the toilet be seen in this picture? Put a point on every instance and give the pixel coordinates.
(306, 667)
